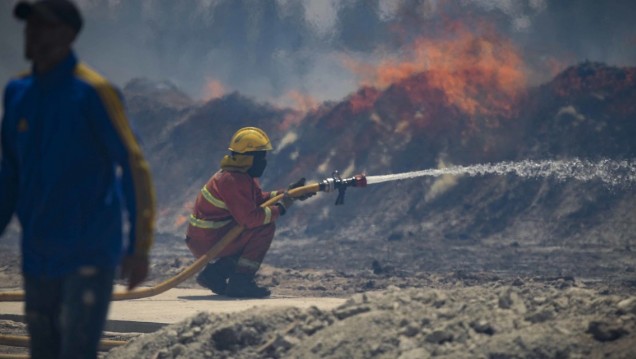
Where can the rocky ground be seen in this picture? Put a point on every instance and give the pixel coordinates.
(491, 267)
(393, 312)
(526, 320)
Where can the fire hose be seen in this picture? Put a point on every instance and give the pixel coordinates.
(23, 341)
(327, 185)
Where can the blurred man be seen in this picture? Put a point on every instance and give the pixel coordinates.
(233, 196)
(68, 153)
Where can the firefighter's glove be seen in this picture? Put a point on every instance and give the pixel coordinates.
(284, 203)
(300, 183)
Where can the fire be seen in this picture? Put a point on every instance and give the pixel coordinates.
(477, 71)
(213, 89)
(182, 219)
(301, 101)
(290, 119)
(301, 104)
(589, 77)
(363, 100)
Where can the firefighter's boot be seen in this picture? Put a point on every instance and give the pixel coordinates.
(242, 285)
(214, 276)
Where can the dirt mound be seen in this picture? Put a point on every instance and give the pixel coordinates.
(494, 321)
(457, 244)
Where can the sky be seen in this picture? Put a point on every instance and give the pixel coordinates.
(295, 52)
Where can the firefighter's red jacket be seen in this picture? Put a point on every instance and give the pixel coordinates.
(230, 197)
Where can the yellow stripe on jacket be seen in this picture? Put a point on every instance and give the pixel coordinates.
(140, 171)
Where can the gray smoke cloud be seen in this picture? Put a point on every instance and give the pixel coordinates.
(267, 48)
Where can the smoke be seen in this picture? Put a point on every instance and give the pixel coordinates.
(276, 50)
(519, 13)
(578, 30)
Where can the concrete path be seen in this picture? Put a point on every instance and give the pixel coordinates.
(148, 314)
(178, 304)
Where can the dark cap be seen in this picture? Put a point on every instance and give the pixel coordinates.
(63, 11)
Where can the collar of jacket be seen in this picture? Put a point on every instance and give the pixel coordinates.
(60, 71)
(237, 163)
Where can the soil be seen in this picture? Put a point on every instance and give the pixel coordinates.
(392, 311)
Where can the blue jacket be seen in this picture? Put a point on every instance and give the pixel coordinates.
(67, 153)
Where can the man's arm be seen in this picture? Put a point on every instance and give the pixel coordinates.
(116, 134)
(137, 186)
(8, 170)
(237, 195)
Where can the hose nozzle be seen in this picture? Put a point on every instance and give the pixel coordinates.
(338, 183)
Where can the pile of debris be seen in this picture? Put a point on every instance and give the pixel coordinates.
(489, 321)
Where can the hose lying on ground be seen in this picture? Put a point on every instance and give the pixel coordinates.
(23, 341)
(14, 356)
(194, 268)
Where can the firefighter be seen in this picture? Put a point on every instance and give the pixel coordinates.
(232, 196)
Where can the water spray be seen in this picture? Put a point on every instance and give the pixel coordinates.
(610, 172)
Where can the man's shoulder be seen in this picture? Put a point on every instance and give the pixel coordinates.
(225, 176)
(17, 87)
(20, 80)
(94, 79)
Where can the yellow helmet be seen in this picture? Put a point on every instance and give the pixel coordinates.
(249, 139)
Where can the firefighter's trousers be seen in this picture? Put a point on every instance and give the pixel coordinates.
(251, 245)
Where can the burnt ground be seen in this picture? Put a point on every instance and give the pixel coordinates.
(492, 267)
(488, 298)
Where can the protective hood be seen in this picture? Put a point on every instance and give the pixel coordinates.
(252, 163)
(237, 162)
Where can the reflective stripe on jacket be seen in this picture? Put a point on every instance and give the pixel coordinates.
(232, 196)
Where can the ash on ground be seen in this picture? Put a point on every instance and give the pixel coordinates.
(522, 320)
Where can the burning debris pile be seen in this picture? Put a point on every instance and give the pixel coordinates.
(587, 111)
(538, 228)
(520, 321)
(416, 123)
(458, 98)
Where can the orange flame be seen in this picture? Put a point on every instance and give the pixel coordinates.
(182, 219)
(213, 89)
(290, 119)
(594, 78)
(363, 100)
(301, 101)
(479, 74)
